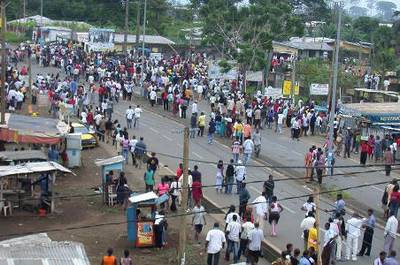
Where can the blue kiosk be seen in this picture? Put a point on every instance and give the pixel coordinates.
(115, 163)
(141, 218)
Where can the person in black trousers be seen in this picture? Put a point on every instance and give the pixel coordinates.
(369, 226)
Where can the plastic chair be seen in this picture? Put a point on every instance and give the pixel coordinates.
(112, 196)
(4, 206)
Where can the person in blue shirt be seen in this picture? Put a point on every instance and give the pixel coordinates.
(369, 225)
(305, 259)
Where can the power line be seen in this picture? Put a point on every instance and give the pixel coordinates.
(209, 210)
(202, 186)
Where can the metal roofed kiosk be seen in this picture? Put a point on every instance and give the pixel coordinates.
(107, 165)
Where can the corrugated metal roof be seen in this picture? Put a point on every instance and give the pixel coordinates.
(34, 167)
(316, 46)
(109, 161)
(40, 250)
(22, 155)
(152, 39)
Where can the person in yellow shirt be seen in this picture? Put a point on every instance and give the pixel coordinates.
(238, 128)
(313, 237)
(201, 122)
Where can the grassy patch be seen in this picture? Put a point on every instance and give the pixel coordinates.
(15, 38)
(333, 192)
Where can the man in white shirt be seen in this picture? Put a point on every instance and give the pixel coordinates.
(256, 237)
(305, 226)
(132, 145)
(153, 97)
(248, 147)
(240, 173)
(215, 241)
(247, 227)
(233, 230)
(198, 219)
(381, 259)
(136, 117)
(195, 109)
(280, 122)
(353, 228)
(390, 232)
(260, 209)
(129, 117)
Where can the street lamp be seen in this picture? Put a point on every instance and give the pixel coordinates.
(143, 45)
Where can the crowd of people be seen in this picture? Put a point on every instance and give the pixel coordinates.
(95, 82)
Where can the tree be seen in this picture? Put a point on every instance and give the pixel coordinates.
(327, 31)
(386, 9)
(366, 26)
(244, 33)
(358, 11)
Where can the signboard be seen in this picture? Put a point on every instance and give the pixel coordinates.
(296, 90)
(214, 72)
(319, 89)
(274, 92)
(287, 85)
(254, 76)
(145, 234)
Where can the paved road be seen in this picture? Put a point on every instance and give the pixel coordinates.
(161, 136)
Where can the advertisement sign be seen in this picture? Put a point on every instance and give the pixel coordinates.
(296, 90)
(214, 72)
(319, 89)
(274, 92)
(287, 84)
(145, 234)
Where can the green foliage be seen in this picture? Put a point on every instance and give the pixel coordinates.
(225, 66)
(15, 38)
(245, 32)
(310, 71)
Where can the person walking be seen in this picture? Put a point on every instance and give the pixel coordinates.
(353, 228)
(198, 220)
(136, 117)
(219, 177)
(109, 259)
(389, 161)
(232, 231)
(129, 114)
(215, 242)
(369, 225)
(236, 149)
(244, 197)
(193, 125)
(229, 177)
(275, 210)
(211, 131)
(391, 259)
(201, 122)
(240, 173)
(149, 179)
(140, 151)
(364, 153)
(126, 259)
(305, 226)
(269, 186)
(257, 142)
(381, 259)
(247, 227)
(248, 147)
(308, 163)
(256, 236)
(390, 232)
(260, 210)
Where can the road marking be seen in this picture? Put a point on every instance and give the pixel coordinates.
(196, 154)
(374, 187)
(154, 130)
(166, 137)
(307, 188)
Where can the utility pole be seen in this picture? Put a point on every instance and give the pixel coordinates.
(143, 44)
(3, 61)
(41, 11)
(293, 77)
(24, 3)
(182, 230)
(125, 45)
(317, 218)
(137, 43)
(338, 7)
(30, 68)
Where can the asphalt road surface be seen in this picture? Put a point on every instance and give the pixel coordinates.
(164, 136)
